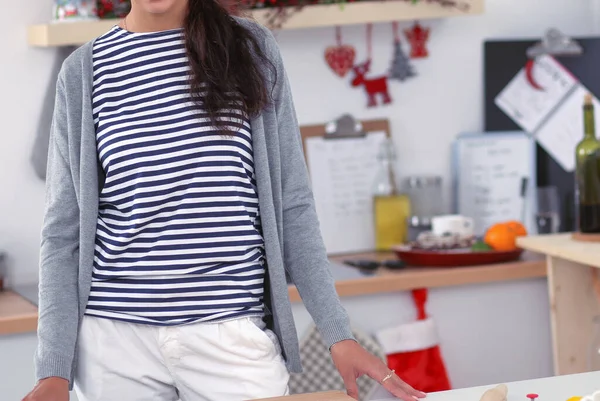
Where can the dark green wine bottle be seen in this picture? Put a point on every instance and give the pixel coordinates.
(587, 173)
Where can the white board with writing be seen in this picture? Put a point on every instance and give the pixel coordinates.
(342, 172)
(495, 180)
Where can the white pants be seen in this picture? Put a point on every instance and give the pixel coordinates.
(231, 361)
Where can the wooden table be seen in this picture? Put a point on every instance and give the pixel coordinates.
(573, 270)
(18, 315)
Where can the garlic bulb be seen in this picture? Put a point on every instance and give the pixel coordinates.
(497, 393)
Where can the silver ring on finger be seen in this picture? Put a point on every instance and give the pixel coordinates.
(389, 376)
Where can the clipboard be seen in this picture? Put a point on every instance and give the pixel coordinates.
(345, 127)
(342, 162)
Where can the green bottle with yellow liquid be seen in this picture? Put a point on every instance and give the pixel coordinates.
(587, 173)
(391, 208)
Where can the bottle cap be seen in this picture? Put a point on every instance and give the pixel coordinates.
(587, 100)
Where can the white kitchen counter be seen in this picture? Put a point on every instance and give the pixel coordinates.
(559, 388)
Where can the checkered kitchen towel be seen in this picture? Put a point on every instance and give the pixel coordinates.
(320, 373)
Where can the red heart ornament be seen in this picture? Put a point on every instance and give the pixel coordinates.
(340, 58)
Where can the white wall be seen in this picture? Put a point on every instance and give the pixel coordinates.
(447, 96)
(427, 113)
(24, 76)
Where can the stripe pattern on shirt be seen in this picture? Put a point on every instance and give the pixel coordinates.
(178, 236)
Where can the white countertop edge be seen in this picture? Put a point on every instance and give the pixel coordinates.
(559, 388)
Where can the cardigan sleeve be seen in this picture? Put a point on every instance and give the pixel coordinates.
(59, 255)
(305, 256)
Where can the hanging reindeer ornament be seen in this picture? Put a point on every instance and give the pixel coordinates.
(374, 87)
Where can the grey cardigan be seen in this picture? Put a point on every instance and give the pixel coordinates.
(290, 227)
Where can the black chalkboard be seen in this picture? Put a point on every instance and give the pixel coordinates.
(502, 61)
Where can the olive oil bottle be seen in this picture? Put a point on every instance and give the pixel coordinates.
(391, 208)
(587, 173)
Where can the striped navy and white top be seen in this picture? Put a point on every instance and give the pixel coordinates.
(178, 237)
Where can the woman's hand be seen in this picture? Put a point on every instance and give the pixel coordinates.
(50, 389)
(353, 361)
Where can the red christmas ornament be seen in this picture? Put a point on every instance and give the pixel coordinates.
(113, 8)
(373, 86)
(341, 57)
(413, 350)
(417, 37)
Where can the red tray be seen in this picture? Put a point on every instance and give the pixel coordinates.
(453, 257)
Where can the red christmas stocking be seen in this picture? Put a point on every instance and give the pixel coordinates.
(413, 350)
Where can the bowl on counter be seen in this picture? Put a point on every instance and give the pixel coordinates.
(453, 257)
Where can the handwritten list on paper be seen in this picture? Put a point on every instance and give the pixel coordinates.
(342, 172)
(489, 177)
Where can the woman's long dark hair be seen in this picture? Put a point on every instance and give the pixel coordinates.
(226, 61)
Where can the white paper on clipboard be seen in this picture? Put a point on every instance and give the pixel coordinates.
(562, 131)
(342, 174)
(530, 107)
(553, 115)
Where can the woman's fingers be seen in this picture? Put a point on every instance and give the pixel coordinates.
(408, 388)
(349, 379)
(398, 390)
(394, 384)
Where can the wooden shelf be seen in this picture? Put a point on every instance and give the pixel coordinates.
(371, 12)
(17, 315)
(77, 33)
(563, 246)
(386, 281)
(68, 33)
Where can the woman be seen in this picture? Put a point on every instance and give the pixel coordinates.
(176, 195)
